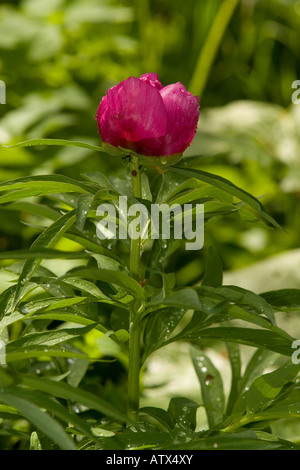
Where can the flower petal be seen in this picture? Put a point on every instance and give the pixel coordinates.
(138, 108)
(183, 114)
(152, 79)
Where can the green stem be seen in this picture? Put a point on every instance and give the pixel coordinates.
(243, 421)
(135, 250)
(134, 331)
(210, 47)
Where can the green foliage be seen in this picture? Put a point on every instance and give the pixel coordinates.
(58, 312)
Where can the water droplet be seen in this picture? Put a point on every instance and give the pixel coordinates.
(164, 244)
(204, 369)
(216, 445)
(164, 160)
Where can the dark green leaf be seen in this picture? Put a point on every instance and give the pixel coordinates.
(266, 387)
(283, 298)
(229, 187)
(211, 386)
(235, 364)
(266, 339)
(47, 239)
(63, 390)
(160, 415)
(213, 274)
(38, 418)
(241, 440)
(159, 327)
(183, 412)
(119, 278)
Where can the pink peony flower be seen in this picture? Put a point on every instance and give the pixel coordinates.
(141, 115)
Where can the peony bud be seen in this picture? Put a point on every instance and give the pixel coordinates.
(142, 116)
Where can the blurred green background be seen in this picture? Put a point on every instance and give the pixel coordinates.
(58, 57)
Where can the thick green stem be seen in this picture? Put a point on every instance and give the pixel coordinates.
(135, 250)
(134, 368)
(134, 331)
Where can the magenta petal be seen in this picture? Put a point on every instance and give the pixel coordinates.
(130, 112)
(152, 79)
(108, 126)
(183, 114)
(141, 115)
